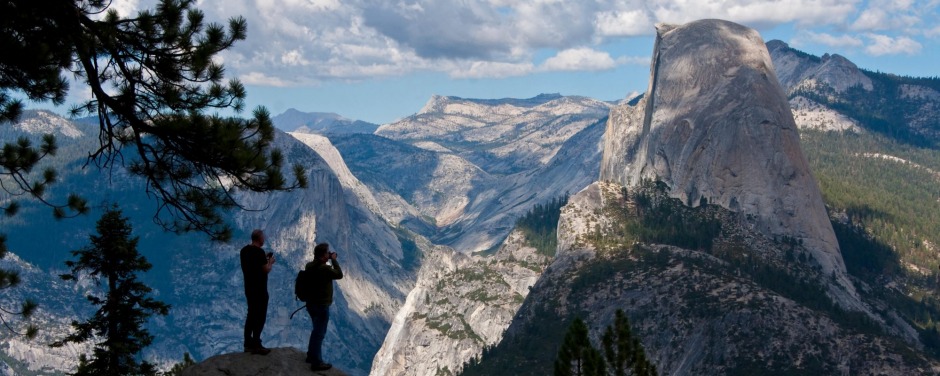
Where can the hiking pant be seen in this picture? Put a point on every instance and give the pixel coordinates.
(320, 315)
(257, 314)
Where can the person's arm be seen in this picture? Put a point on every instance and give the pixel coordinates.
(268, 265)
(336, 272)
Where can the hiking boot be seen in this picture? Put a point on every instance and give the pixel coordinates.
(260, 350)
(321, 367)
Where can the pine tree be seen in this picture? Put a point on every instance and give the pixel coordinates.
(112, 256)
(618, 345)
(577, 357)
(177, 369)
(623, 351)
(152, 78)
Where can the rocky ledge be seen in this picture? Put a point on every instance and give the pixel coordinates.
(285, 361)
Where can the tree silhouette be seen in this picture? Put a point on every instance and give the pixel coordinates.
(623, 351)
(152, 78)
(577, 357)
(125, 307)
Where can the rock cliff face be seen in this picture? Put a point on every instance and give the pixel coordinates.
(459, 305)
(468, 168)
(797, 70)
(716, 126)
(740, 306)
(202, 280)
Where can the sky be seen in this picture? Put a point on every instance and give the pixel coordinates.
(381, 60)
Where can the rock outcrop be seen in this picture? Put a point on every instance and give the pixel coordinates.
(285, 361)
(796, 70)
(459, 305)
(741, 307)
(716, 127)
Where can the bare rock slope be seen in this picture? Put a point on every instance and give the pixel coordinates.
(285, 361)
(716, 127)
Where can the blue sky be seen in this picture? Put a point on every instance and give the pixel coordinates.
(379, 60)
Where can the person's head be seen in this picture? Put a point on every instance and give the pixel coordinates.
(257, 237)
(321, 251)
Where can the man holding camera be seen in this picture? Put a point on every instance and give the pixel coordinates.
(255, 268)
(323, 270)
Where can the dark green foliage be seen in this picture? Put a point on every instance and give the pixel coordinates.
(178, 368)
(623, 352)
(152, 77)
(577, 357)
(654, 217)
(864, 257)
(112, 256)
(411, 254)
(35, 53)
(540, 225)
(530, 355)
(885, 109)
(892, 201)
(892, 216)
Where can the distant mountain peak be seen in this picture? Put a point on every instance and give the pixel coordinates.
(797, 69)
(293, 120)
(438, 103)
(39, 122)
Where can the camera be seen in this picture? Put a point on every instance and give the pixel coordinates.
(270, 254)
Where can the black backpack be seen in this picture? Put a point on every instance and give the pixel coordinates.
(301, 289)
(302, 285)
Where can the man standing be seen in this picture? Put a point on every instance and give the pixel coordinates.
(323, 270)
(255, 268)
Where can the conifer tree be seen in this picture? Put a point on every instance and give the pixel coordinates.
(112, 257)
(151, 79)
(623, 351)
(577, 357)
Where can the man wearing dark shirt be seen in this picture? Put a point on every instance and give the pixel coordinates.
(255, 268)
(321, 297)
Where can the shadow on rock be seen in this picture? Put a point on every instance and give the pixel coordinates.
(285, 361)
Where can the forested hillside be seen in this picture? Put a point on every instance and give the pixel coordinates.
(899, 107)
(890, 189)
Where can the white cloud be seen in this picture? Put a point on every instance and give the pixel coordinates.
(933, 33)
(125, 8)
(871, 19)
(623, 23)
(828, 39)
(886, 45)
(579, 59)
(489, 69)
(294, 57)
(906, 16)
(291, 41)
(760, 13)
(261, 79)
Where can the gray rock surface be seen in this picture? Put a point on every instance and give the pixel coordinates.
(796, 70)
(716, 125)
(459, 305)
(285, 361)
(696, 312)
